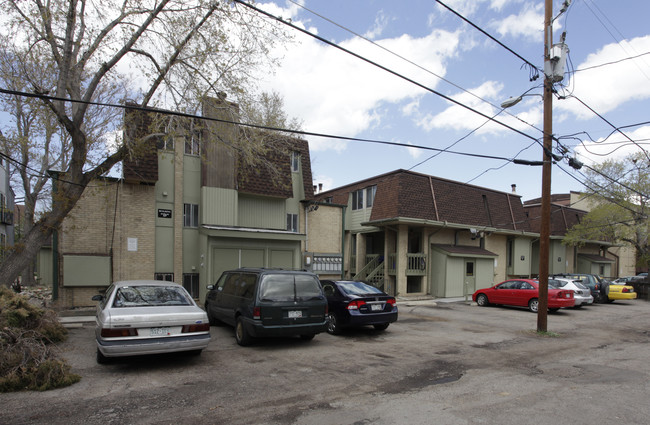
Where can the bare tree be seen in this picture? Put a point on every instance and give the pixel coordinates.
(156, 53)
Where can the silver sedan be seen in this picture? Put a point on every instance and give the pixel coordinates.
(140, 317)
(581, 293)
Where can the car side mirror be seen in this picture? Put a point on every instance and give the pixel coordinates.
(98, 298)
(210, 287)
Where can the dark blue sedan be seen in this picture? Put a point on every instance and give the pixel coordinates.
(352, 304)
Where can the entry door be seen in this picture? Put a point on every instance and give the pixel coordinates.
(469, 280)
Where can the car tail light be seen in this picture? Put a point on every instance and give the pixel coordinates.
(354, 305)
(116, 333)
(626, 290)
(391, 302)
(257, 313)
(197, 327)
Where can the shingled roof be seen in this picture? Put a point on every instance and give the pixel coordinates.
(562, 218)
(262, 181)
(406, 194)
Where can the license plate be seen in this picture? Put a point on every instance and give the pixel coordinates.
(295, 314)
(159, 331)
(376, 307)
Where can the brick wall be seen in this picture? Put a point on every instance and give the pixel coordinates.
(107, 216)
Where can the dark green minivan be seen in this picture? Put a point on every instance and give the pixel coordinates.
(262, 302)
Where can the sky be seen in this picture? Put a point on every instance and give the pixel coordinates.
(439, 57)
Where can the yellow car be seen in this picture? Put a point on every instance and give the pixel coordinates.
(620, 292)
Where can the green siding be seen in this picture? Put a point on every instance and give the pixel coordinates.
(262, 213)
(219, 206)
(191, 251)
(191, 179)
(165, 183)
(165, 250)
(86, 270)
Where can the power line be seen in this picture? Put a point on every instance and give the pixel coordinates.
(260, 127)
(408, 61)
(533, 77)
(356, 55)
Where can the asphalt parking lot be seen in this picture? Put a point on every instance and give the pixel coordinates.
(452, 363)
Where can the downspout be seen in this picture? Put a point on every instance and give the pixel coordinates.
(343, 242)
(433, 196)
(512, 215)
(55, 265)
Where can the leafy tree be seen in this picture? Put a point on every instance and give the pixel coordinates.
(619, 192)
(155, 53)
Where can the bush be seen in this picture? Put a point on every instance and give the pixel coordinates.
(28, 360)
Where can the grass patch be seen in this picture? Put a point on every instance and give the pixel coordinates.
(28, 357)
(547, 334)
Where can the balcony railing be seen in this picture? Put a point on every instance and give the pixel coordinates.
(416, 264)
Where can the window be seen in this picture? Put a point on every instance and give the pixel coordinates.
(370, 195)
(165, 142)
(295, 162)
(167, 277)
(191, 284)
(329, 200)
(193, 143)
(190, 215)
(292, 222)
(357, 199)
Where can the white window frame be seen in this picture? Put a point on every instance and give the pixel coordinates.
(292, 223)
(295, 162)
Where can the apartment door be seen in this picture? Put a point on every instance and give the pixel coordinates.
(469, 279)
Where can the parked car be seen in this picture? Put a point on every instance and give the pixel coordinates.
(148, 317)
(355, 304)
(598, 286)
(523, 293)
(581, 294)
(627, 279)
(620, 291)
(268, 303)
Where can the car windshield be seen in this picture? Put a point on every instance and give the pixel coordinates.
(358, 288)
(282, 287)
(150, 296)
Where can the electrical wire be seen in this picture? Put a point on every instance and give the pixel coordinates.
(384, 68)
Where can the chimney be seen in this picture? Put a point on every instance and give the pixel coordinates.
(315, 187)
(514, 188)
(320, 187)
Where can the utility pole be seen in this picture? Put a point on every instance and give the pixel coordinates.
(545, 230)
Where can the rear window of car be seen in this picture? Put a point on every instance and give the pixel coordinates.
(150, 296)
(283, 287)
(358, 288)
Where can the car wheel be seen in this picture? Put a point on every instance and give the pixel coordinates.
(382, 326)
(482, 300)
(242, 337)
(307, 337)
(102, 359)
(577, 306)
(533, 305)
(332, 325)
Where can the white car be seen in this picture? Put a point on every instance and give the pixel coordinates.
(140, 317)
(581, 293)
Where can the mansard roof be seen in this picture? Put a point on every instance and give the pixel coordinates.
(406, 194)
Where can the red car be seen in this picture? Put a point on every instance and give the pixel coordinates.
(523, 293)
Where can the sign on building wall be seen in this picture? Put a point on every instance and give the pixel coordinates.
(132, 244)
(163, 213)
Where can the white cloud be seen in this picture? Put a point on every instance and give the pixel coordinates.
(529, 23)
(381, 22)
(336, 93)
(605, 88)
